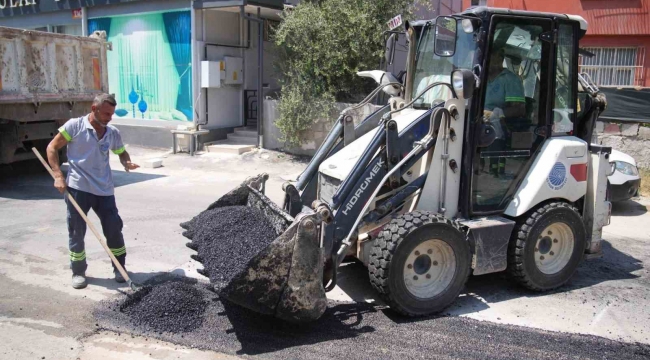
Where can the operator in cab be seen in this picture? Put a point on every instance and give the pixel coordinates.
(504, 99)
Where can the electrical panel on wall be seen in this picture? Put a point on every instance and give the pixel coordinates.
(229, 71)
(234, 70)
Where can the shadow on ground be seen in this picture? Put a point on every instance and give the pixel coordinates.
(260, 334)
(28, 180)
(628, 208)
(110, 283)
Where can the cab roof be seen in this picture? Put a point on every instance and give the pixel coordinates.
(481, 11)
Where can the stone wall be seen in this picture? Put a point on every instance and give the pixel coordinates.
(631, 139)
(313, 137)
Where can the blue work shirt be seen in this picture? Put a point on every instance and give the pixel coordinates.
(506, 87)
(89, 169)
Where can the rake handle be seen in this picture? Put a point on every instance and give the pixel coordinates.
(88, 222)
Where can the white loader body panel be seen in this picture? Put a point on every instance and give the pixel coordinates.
(341, 164)
(550, 176)
(432, 192)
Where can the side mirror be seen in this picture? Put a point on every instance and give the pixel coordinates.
(464, 82)
(390, 48)
(445, 43)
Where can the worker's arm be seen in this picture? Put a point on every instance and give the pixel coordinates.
(119, 149)
(515, 101)
(515, 109)
(125, 159)
(53, 158)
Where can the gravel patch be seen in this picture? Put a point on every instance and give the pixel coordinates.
(174, 307)
(227, 238)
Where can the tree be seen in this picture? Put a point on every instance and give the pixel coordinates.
(322, 45)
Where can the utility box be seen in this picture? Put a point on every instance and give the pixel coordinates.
(229, 71)
(211, 74)
(234, 70)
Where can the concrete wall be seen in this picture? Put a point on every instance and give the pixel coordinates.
(313, 137)
(631, 139)
(270, 76)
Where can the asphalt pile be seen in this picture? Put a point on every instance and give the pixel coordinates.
(227, 238)
(174, 307)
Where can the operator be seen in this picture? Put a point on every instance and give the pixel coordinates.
(504, 99)
(90, 181)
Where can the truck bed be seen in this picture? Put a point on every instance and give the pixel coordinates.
(47, 76)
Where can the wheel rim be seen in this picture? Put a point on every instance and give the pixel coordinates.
(429, 269)
(554, 248)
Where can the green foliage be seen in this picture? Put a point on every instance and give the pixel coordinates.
(321, 46)
(301, 104)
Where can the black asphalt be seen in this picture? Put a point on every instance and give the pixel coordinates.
(227, 238)
(363, 331)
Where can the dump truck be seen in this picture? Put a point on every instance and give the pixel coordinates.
(45, 79)
(481, 162)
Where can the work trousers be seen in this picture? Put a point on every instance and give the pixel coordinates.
(106, 210)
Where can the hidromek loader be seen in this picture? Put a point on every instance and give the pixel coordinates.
(442, 182)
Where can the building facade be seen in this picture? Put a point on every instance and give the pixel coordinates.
(618, 35)
(157, 49)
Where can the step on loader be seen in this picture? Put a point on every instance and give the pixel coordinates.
(481, 162)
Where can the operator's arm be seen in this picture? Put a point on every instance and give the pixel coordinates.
(515, 109)
(125, 159)
(53, 158)
(515, 101)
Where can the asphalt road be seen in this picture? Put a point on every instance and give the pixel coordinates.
(608, 297)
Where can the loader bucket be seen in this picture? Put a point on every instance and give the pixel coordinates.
(285, 279)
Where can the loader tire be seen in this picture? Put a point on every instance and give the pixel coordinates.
(547, 246)
(419, 263)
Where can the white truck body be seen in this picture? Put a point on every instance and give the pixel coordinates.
(45, 79)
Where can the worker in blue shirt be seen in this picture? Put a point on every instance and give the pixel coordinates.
(89, 140)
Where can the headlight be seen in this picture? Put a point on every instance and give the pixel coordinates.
(626, 168)
(612, 168)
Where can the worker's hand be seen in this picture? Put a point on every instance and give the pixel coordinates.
(130, 166)
(59, 184)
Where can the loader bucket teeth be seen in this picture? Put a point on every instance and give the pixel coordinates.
(202, 272)
(188, 234)
(196, 258)
(285, 279)
(186, 225)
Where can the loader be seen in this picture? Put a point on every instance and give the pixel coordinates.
(481, 162)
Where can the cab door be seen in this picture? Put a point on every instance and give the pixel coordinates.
(517, 73)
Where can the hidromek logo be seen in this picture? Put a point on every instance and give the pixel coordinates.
(363, 187)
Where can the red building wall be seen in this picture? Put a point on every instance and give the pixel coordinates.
(612, 23)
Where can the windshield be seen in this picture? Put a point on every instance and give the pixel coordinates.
(431, 68)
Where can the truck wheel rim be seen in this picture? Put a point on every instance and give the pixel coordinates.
(429, 269)
(554, 248)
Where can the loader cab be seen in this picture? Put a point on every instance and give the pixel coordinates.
(526, 65)
(528, 90)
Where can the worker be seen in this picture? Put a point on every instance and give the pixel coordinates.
(90, 182)
(504, 99)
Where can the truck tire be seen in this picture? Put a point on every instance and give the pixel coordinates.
(419, 263)
(547, 246)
